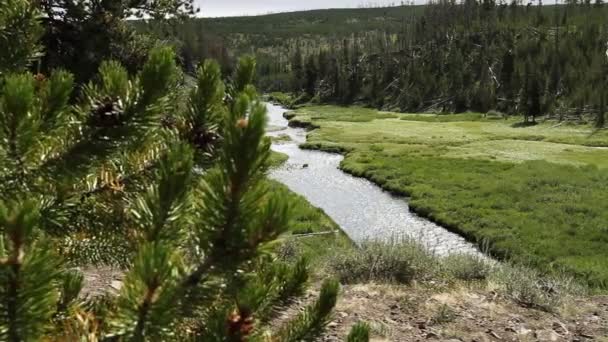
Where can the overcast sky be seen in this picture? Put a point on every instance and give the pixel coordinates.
(222, 8)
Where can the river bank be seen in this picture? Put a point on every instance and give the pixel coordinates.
(536, 194)
(363, 210)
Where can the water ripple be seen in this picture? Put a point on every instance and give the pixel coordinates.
(362, 209)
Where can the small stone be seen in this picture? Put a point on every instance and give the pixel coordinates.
(343, 314)
(493, 334)
(431, 335)
(523, 331)
(332, 324)
(547, 336)
(421, 325)
(560, 328)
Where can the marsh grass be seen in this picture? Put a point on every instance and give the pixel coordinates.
(535, 194)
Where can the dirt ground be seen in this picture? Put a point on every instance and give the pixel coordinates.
(422, 313)
(100, 279)
(409, 313)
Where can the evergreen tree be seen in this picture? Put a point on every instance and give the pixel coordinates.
(18, 23)
(79, 35)
(297, 70)
(311, 74)
(110, 177)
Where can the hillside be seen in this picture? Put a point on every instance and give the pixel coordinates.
(324, 22)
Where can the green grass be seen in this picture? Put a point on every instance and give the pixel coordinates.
(283, 99)
(281, 138)
(306, 219)
(277, 159)
(536, 194)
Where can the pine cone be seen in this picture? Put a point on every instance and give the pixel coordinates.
(204, 139)
(240, 325)
(107, 113)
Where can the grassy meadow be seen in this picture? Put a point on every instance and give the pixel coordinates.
(535, 194)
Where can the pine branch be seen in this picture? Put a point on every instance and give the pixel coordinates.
(309, 324)
(147, 301)
(29, 270)
(162, 211)
(274, 286)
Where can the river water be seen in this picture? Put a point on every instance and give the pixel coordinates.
(363, 210)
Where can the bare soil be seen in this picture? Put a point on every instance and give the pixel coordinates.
(424, 313)
(416, 313)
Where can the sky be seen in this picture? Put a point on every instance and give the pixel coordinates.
(222, 8)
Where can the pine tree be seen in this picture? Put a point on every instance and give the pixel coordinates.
(113, 176)
(297, 70)
(99, 28)
(311, 75)
(18, 23)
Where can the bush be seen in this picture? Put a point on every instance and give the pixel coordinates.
(376, 261)
(467, 267)
(530, 289)
(359, 333)
(444, 314)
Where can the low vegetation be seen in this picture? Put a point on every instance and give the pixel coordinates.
(534, 194)
(407, 261)
(398, 290)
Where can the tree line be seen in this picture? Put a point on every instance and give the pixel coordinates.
(472, 56)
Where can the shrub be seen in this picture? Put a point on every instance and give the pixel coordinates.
(359, 333)
(399, 262)
(530, 289)
(444, 314)
(467, 267)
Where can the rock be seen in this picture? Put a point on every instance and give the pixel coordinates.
(560, 328)
(523, 331)
(493, 334)
(343, 314)
(305, 166)
(511, 329)
(585, 335)
(431, 335)
(421, 325)
(547, 336)
(332, 324)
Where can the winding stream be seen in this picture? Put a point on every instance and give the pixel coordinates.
(362, 209)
